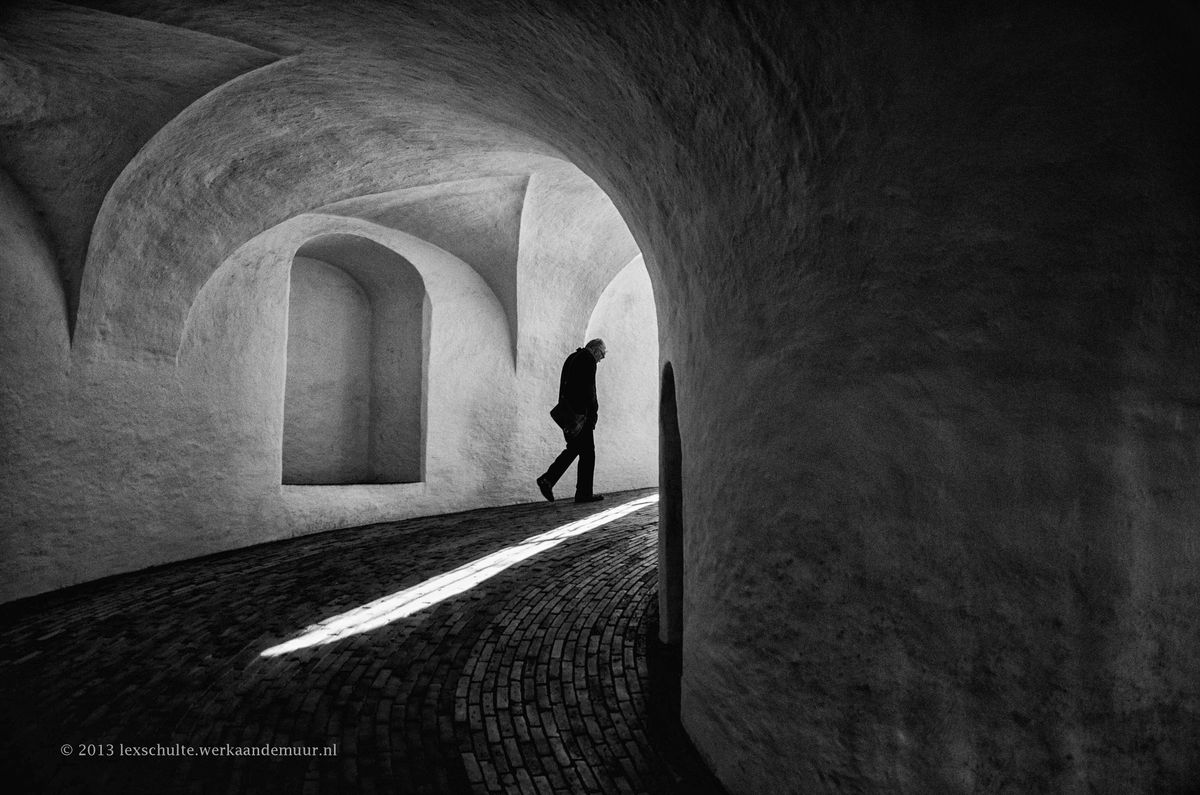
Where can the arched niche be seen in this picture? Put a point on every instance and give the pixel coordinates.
(356, 364)
(233, 358)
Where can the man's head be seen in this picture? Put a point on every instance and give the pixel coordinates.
(597, 348)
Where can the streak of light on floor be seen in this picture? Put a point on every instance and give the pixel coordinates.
(404, 603)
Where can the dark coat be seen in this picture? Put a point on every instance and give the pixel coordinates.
(577, 386)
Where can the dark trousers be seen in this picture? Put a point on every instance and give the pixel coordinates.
(583, 445)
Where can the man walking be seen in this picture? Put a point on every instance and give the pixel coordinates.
(577, 391)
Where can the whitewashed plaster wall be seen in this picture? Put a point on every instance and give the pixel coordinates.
(925, 276)
(627, 380)
(327, 400)
(563, 227)
(397, 348)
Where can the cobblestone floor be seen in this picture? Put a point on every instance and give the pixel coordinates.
(535, 681)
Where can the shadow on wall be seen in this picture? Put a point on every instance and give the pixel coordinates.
(626, 384)
(670, 516)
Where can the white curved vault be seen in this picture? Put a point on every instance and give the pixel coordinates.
(924, 294)
(470, 253)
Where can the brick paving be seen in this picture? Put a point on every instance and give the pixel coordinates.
(535, 681)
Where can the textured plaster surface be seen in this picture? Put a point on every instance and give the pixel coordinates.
(397, 347)
(327, 399)
(478, 221)
(926, 280)
(627, 380)
(111, 80)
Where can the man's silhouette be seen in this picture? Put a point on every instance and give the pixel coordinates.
(577, 390)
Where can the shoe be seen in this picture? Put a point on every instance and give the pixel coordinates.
(590, 498)
(545, 488)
